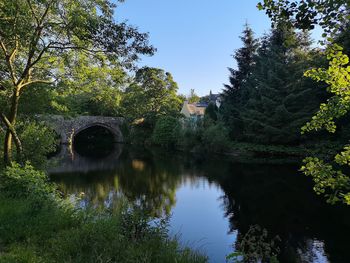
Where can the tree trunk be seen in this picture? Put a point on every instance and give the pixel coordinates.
(14, 135)
(12, 121)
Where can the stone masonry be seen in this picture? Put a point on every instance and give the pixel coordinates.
(67, 128)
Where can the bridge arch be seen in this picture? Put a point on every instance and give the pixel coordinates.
(68, 128)
(115, 131)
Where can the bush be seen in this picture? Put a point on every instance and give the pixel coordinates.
(216, 138)
(190, 135)
(38, 141)
(166, 132)
(22, 182)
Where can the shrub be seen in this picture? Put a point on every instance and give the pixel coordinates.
(166, 131)
(140, 132)
(216, 139)
(190, 135)
(37, 140)
(21, 182)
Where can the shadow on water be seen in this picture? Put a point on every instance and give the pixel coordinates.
(275, 197)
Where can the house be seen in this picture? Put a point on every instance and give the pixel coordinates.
(194, 110)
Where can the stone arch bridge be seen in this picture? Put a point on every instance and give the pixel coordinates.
(68, 128)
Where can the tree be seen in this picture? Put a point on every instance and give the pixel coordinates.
(152, 94)
(193, 97)
(36, 34)
(245, 62)
(211, 112)
(91, 85)
(167, 131)
(280, 100)
(329, 179)
(234, 96)
(332, 16)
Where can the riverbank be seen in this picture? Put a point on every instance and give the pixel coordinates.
(242, 152)
(38, 225)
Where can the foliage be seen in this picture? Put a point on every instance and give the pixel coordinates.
(330, 15)
(245, 61)
(337, 76)
(193, 97)
(279, 100)
(190, 134)
(333, 17)
(38, 141)
(166, 132)
(211, 112)
(90, 85)
(39, 226)
(141, 132)
(150, 95)
(22, 182)
(234, 93)
(256, 246)
(333, 184)
(36, 37)
(268, 100)
(216, 139)
(329, 180)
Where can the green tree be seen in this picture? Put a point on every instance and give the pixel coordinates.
(211, 112)
(91, 85)
(280, 100)
(245, 62)
(234, 95)
(193, 97)
(152, 94)
(166, 132)
(329, 178)
(332, 16)
(35, 35)
(215, 138)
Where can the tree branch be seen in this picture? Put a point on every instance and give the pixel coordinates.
(8, 60)
(3, 47)
(37, 81)
(33, 12)
(33, 46)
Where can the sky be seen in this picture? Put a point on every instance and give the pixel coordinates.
(194, 38)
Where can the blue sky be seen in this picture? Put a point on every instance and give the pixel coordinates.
(194, 38)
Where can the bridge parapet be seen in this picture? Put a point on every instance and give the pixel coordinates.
(67, 128)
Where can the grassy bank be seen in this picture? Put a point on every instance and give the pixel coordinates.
(39, 226)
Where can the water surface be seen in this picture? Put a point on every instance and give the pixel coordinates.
(213, 201)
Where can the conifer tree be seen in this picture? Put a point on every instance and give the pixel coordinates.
(280, 99)
(233, 94)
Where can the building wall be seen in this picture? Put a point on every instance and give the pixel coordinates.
(185, 110)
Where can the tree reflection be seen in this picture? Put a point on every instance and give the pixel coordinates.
(274, 197)
(144, 181)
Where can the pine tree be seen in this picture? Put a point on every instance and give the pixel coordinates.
(280, 99)
(233, 93)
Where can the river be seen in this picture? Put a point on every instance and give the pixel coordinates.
(212, 201)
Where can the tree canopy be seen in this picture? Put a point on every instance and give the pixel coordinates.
(36, 35)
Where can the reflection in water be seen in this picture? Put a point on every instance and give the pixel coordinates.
(215, 201)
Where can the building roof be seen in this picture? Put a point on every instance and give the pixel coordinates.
(196, 109)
